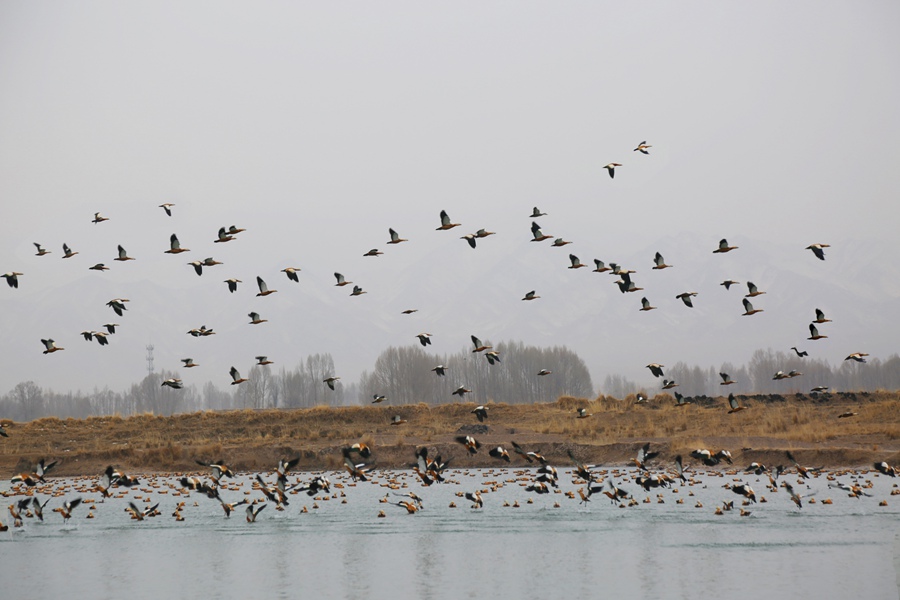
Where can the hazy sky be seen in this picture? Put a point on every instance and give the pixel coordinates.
(317, 126)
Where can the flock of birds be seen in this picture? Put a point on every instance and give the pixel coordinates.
(544, 479)
(32, 491)
(625, 282)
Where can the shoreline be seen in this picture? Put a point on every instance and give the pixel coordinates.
(254, 440)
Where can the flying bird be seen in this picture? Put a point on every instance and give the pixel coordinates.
(537, 234)
(734, 405)
(198, 267)
(461, 391)
(656, 369)
(291, 273)
(263, 288)
(681, 400)
(329, 381)
(536, 213)
(12, 279)
(499, 452)
(659, 262)
(749, 310)
(471, 444)
(483, 233)
(167, 206)
(232, 284)
(601, 266)
(66, 509)
(41, 251)
(255, 320)
(645, 305)
(668, 385)
(357, 291)
(236, 377)
(470, 238)
(858, 357)
(642, 147)
(424, 338)
(611, 169)
(175, 246)
(728, 283)
(800, 353)
(724, 247)
(726, 379)
(745, 491)
(440, 370)
(50, 346)
(819, 250)
(395, 238)
(341, 281)
(189, 362)
(223, 236)
(118, 305)
(98, 218)
(686, 298)
(754, 291)
(626, 284)
(479, 346)
(886, 469)
(253, 511)
(814, 333)
(263, 361)
(481, 412)
(475, 498)
(531, 296)
(445, 222)
(373, 252)
(820, 317)
(123, 255)
(576, 263)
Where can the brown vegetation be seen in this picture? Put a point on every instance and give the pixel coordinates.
(255, 440)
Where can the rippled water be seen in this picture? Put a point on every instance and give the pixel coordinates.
(850, 548)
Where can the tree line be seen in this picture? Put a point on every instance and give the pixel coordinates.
(758, 376)
(404, 375)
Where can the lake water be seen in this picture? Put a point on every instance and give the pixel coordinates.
(849, 549)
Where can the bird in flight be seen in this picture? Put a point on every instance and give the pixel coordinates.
(175, 246)
(395, 237)
(291, 273)
(819, 250)
(724, 247)
(611, 169)
(445, 222)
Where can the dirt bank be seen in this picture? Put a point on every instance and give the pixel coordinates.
(255, 440)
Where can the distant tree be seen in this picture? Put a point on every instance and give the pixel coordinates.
(28, 401)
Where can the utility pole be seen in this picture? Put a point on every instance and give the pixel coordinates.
(149, 359)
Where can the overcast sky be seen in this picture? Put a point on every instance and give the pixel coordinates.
(317, 126)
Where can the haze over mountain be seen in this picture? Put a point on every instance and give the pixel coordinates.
(317, 129)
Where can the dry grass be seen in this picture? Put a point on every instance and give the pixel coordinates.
(257, 439)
